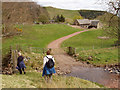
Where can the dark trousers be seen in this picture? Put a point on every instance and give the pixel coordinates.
(20, 70)
(48, 78)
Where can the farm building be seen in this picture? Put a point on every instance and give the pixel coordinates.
(82, 22)
(86, 23)
(94, 23)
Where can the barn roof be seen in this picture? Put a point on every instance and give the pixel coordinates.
(94, 22)
(83, 21)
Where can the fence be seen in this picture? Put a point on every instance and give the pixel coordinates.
(71, 50)
(9, 58)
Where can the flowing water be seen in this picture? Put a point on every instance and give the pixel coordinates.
(97, 75)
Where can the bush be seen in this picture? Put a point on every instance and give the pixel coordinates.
(8, 30)
(43, 18)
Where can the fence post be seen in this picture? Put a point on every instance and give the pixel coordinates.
(29, 49)
(70, 50)
(11, 62)
(14, 60)
(43, 50)
(74, 50)
(36, 50)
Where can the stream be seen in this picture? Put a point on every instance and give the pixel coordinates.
(97, 75)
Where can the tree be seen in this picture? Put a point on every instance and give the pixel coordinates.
(114, 7)
(62, 18)
(113, 29)
(43, 18)
(59, 18)
(77, 17)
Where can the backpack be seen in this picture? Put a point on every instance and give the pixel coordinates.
(50, 63)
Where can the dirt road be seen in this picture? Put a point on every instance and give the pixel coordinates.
(65, 62)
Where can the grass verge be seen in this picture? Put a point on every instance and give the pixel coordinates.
(94, 50)
(35, 80)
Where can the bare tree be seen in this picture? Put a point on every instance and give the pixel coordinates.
(114, 7)
(112, 28)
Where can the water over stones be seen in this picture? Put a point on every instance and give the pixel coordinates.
(95, 74)
(112, 69)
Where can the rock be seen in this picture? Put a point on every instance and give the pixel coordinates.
(117, 72)
(36, 68)
(88, 63)
(6, 68)
(75, 55)
(3, 72)
(90, 58)
(111, 71)
(105, 69)
(33, 53)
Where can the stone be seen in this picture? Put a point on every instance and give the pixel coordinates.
(88, 63)
(89, 58)
(111, 71)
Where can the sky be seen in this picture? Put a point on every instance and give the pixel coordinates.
(74, 4)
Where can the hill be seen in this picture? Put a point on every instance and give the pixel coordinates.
(91, 14)
(69, 14)
(32, 34)
(21, 12)
(105, 18)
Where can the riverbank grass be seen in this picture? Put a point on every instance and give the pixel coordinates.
(34, 79)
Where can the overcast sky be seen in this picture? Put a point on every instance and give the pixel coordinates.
(73, 4)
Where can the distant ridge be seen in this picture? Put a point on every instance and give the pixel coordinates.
(69, 14)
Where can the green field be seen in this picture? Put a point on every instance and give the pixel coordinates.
(92, 49)
(99, 57)
(35, 80)
(88, 40)
(37, 35)
(40, 36)
(69, 14)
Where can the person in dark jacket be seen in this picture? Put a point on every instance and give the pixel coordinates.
(47, 71)
(20, 63)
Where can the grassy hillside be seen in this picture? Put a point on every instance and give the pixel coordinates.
(35, 80)
(21, 12)
(92, 49)
(106, 18)
(69, 14)
(38, 35)
(89, 40)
